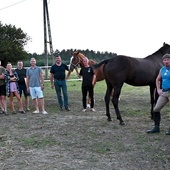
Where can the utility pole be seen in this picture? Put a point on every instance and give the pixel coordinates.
(47, 25)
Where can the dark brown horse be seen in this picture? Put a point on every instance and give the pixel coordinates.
(133, 71)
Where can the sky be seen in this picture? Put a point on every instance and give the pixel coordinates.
(135, 28)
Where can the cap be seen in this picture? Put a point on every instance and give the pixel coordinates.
(166, 56)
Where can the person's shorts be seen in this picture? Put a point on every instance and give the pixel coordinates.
(2, 90)
(13, 87)
(36, 92)
(23, 88)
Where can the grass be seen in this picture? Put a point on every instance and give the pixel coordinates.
(87, 140)
(38, 142)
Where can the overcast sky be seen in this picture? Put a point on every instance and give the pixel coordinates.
(136, 28)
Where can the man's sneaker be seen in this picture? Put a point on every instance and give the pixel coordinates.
(2, 112)
(84, 110)
(93, 110)
(44, 112)
(27, 109)
(88, 106)
(67, 109)
(36, 111)
(6, 113)
(21, 111)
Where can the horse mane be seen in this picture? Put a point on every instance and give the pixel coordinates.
(82, 56)
(90, 61)
(161, 50)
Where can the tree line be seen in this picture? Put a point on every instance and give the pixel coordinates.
(66, 55)
(13, 40)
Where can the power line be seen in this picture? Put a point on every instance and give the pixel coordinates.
(12, 5)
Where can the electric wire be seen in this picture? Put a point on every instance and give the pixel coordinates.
(12, 5)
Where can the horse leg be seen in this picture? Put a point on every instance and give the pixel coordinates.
(77, 72)
(107, 101)
(115, 100)
(88, 102)
(153, 97)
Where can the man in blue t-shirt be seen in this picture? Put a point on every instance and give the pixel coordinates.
(35, 85)
(57, 78)
(164, 93)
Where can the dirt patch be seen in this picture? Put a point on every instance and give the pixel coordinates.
(75, 140)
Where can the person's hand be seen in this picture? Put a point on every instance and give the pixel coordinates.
(42, 86)
(159, 91)
(52, 86)
(13, 79)
(28, 90)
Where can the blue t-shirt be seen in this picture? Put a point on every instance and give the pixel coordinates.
(34, 76)
(165, 73)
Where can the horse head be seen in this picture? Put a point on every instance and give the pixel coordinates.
(76, 60)
(166, 48)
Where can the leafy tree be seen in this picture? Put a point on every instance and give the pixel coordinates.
(12, 42)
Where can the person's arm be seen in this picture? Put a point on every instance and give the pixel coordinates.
(80, 73)
(42, 81)
(94, 80)
(2, 76)
(52, 80)
(27, 83)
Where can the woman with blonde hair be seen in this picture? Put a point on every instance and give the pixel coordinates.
(12, 89)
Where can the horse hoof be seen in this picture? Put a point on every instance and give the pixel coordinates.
(122, 123)
(109, 119)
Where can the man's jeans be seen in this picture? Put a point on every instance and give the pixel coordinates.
(60, 85)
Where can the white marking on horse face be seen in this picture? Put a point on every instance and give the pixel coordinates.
(70, 61)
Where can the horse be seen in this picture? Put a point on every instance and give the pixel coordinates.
(133, 71)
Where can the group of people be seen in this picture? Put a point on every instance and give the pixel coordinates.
(31, 81)
(14, 82)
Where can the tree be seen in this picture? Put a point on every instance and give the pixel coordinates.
(12, 42)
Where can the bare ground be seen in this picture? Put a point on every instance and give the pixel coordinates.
(84, 141)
